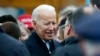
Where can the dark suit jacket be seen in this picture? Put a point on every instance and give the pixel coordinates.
(69, 50)
(37, 47)
(11, 47)
(70, 40)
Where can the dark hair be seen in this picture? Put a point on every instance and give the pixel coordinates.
(11, 29)
(7, 18)
(67, 16)
(96, 2)
(62, 22)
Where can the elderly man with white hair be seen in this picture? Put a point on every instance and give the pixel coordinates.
(40, 42)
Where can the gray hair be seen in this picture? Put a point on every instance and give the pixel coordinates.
(67, 9)
(40, 8)
(67, 12)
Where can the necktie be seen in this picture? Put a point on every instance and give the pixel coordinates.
(48, 46)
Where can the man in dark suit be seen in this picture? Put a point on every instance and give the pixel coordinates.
(10, 46)
(85, 23)
(40, 42)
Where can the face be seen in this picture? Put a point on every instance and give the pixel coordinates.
(60, 34)
(67, 31)
(63, 29)
(46, 25)
(24, 34)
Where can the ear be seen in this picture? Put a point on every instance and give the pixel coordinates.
(34, 24)
(69, 29)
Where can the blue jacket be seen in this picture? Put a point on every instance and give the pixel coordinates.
(11, 47)
(37, 47)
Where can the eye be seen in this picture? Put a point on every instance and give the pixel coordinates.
(46, 23)
(53, 23)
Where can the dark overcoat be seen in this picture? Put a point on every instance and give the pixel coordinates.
(37, 47)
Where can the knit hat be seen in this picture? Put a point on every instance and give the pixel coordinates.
(26, 20)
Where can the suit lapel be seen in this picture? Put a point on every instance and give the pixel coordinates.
(52, 47)
(36, 39)
(41, 44)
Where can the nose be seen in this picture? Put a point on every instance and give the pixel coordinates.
(51, 27)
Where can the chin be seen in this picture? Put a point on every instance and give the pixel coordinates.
(49, 38)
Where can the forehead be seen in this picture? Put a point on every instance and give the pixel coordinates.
(47, 15)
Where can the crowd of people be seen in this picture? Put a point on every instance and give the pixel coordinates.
(39, 34)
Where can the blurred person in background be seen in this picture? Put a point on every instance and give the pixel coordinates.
(7, 18)
(25, 32)
(10, 26)
(14, 28)
(27, 21)
(10, 46)
(63, 31)
(11, 29)
(85, 24)
(41, 42)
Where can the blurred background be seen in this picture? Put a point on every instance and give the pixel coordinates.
(18, 7)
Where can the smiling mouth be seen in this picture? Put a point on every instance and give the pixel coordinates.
(50, 33)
